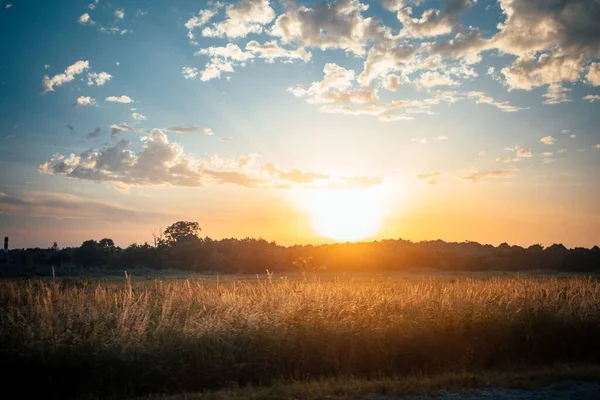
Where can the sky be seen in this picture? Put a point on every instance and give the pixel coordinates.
(301, 122)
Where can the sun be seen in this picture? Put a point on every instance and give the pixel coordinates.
(346, 215)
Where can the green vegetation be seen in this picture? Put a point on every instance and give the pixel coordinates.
(173, 336)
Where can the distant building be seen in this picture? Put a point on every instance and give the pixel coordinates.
(5, 255)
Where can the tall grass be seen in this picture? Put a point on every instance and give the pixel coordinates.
(166, 336)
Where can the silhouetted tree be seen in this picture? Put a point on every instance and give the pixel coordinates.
(181, 232)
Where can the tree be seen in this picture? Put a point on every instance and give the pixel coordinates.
(108, 245)
(181, 232)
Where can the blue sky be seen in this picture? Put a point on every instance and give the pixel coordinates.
(117, 118)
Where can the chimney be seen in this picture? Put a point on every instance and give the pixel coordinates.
(6, 244)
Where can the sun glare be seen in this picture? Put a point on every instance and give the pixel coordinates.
(346, 215)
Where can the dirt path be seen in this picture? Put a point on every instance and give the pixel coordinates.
(570, 390)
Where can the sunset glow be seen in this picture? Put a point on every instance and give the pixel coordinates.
(346, 215)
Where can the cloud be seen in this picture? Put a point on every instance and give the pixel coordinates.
(115, 129)
(226, 139)
(94, 134)
(161, 162)
(548, 140)
(592, 98)
(120, 14)
(243, 18)
(432, 79)
(190, 72)
(476, 176)
(68, 206)
(271, 51)
(138, 116)
(433, 22)
(119, 99)
(294, 175)
(48, 84)
(429, 177)
(83, 101)
(230, 51)
(556, 94)
(552, 41)
(189, 129)
(336, 25)
(597, 146)
(593, 75)
(203, 17)
(213, 69)
(99, 79)
(462, 45)
(503, 159)
(85, 19)
(283, 178)
(524, 153)
(504, 106)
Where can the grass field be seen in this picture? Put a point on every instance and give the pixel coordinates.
(135, 338)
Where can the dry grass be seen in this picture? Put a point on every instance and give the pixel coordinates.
(192, 335)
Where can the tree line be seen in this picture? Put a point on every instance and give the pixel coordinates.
(181, 247)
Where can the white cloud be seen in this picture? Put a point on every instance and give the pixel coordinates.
(71, 71)
(573, 136)
(433, 22)
(597, 146)
(120, 14)
(203, 17)
(271, 51)
(83, 101)
(138, 116)
(593, 75)
(161, 162)
(119, 99)
(552, 42)
(226, 139)
(242, 18)
(548, 140)
(336, 25)
(214, 68)
(190, 72)
(84, 19)
(189, 129)
(230, 52)
(592, 98)
(504, 106)
(432, 79)
(98, 78)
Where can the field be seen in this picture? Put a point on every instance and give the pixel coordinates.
(76, 338)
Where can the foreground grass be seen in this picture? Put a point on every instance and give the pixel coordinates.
(347, 388)
(162, 337)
